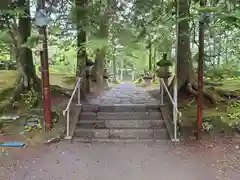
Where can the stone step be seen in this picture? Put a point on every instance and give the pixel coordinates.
(121, 107)
(122, 140)
(121, 133)
(121, 124)
(120, 115)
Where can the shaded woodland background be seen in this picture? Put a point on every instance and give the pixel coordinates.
(117, 34)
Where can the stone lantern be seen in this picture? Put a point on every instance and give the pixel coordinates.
(105, 74)
(164, 65)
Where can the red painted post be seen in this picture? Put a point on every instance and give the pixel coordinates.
(46, 84)
(45, 74)
(200, 75)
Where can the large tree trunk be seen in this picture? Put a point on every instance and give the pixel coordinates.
(185, 70)
(81, 47)
(101, 52)
(186, 74)
(81, 37)
(154, 63)
(28, 79)
(150, 56)
(114, 65)
(99, 62)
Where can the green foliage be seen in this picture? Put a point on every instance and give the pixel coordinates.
(30, 128)
(208, 124)
(5, 37)
(33, 41)
(97, 43)
(138, 80)
(30, 98)
(133, 25)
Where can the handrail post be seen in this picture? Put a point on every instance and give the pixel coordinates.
(79, 93)
(68, 125)
(161, 92)
(174, 103)
(67, 110)
(175, 116)
(175, 100)
(175, 122)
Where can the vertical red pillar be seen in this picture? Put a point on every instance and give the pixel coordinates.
(45, 81)
(200, 74)
(45, 73)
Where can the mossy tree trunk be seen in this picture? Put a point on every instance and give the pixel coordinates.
(114, 65)
(186, 74)
(150, 56)
(101, 52)
(27, 79)
(81, 46)
(103, 35)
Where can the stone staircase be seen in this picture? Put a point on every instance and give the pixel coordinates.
(120, 122)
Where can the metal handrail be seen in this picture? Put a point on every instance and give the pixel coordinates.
(67, 109)
(175, 109)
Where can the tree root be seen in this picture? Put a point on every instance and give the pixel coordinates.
(55, 89)
(192, 89)
(229, 94)
(186, 87)
(34, 84)
(207, 83)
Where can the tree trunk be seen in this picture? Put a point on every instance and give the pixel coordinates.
(81, 48)
(185, 67)
(81, 37)
(28, 79)
(185, 71)
(114, 65)
(99, 61)
(101, 52)
(154, 63)
(150, 56)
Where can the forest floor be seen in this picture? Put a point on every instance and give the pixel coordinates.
(225, 114)
(15, 129)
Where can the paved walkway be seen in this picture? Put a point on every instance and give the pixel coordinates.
(124, 93)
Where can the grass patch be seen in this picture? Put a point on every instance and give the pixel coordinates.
(69, 79)
(224, 112)
(7, 79)
(63, 80)
(231, 84)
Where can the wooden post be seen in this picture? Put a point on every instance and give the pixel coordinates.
(200, 74)
(45, 73)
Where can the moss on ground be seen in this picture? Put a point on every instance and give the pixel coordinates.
(224, 115)
(8, 78)
(16, 128)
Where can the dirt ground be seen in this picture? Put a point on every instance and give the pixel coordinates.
(208, 160)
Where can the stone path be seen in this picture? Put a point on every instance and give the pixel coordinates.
(124, 93)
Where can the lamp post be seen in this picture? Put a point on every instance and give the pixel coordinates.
(41, 20)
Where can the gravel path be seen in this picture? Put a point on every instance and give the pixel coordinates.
(106, 161)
